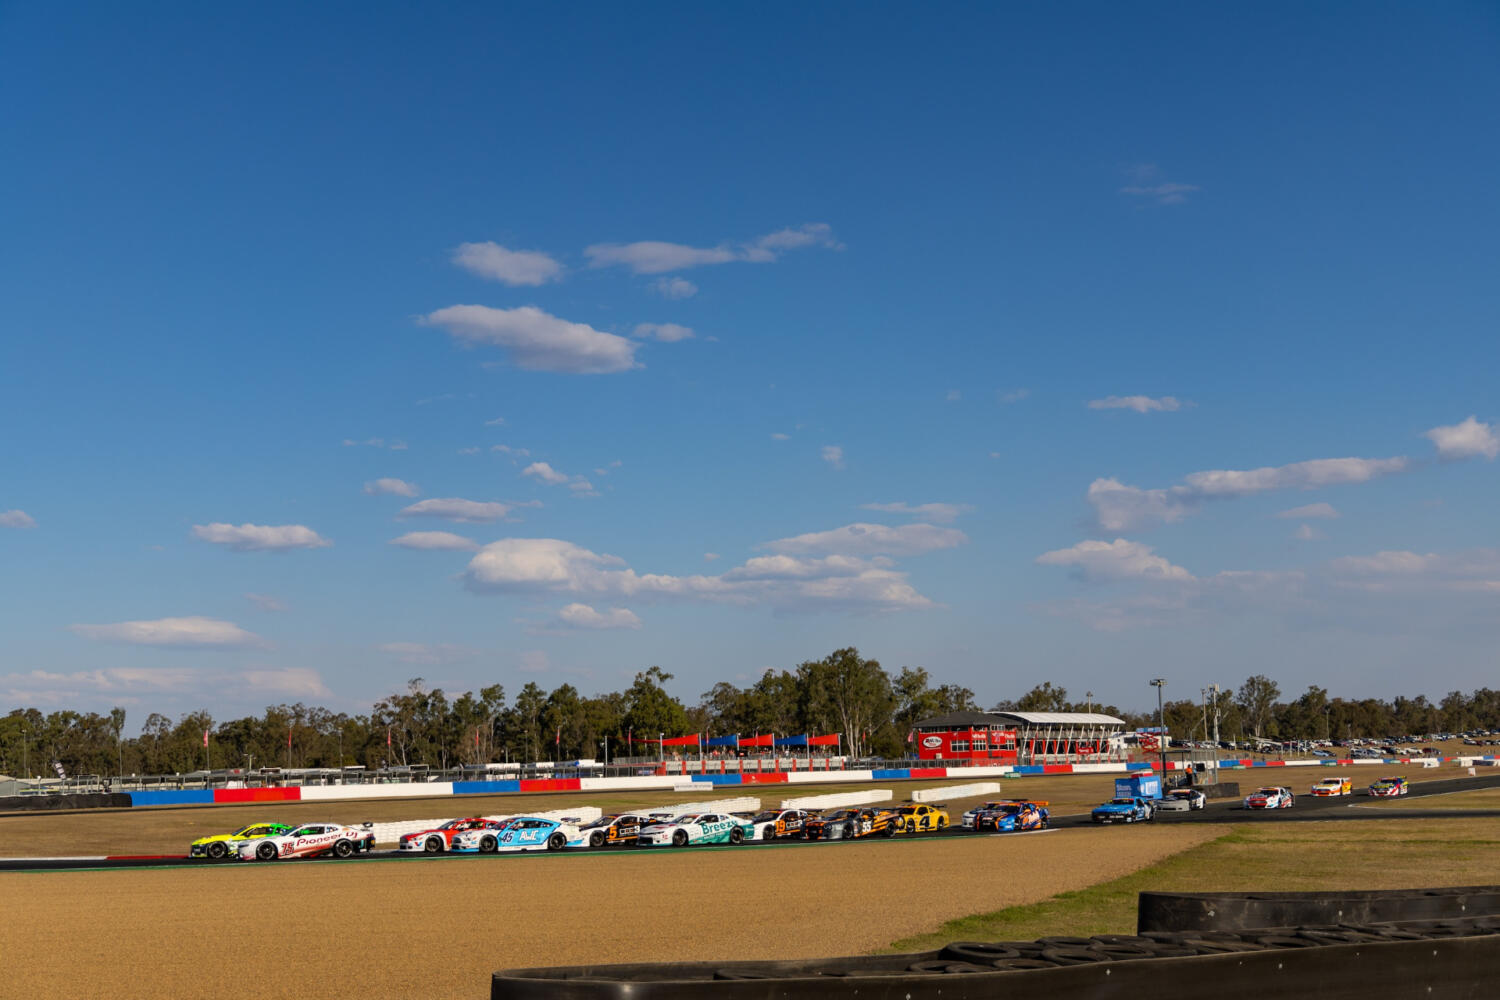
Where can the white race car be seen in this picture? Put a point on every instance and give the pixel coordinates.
(698, 828)
(1181, 800)
(521, 833)
(309, 841)
(1269, 797)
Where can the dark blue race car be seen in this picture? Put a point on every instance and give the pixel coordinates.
(1123, 811)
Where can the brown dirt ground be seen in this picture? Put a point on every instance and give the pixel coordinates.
(439, 928)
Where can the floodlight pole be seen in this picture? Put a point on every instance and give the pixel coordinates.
(1161, 728)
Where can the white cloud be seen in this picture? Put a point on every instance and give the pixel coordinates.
(1467, 562)
(871, 539)
(1120, 507)
(668, 333)
(1117, 560)
(942, 513)
(435, 540)
(513, 267)
(468, 451)
(1307, 533)
(192, 631)
(1163, 194)
(778, 436)
(265, 602)
(16, 519)
(294, 682)
(1011, 395)
(1468, 439)
(391, 487)
(675, 288)
(1311, 511)
(425, 654)
(260, 537)
(375, 443)
(546, 473)
(710, 556)
(1140, 404)
(497, 422)
(657, 257)
(506, 449)
(582, 487)
(458, 509)
(834, 455)
(582, 616)
(538, 341)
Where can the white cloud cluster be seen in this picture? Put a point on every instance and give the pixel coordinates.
(1120, 559)
(260, 537)
(1467, 439)
(427, 654)
(943, 513)
(544, 472)
(375, 443)
(458, 509)
(1311, 511)
(674, 288)
(669, 333)
(127, 685)
(834, 455)
(1140, 404)
(435, 540)
(538, 341)
(16, 519)
(191, 631)
(582, 616)
(1167, 193)
(1120, 507)
(512, 267)
(391, 487)
(1008, 396)
(872, 539)
(658, 257)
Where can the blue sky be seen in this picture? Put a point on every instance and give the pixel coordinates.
(350, 344)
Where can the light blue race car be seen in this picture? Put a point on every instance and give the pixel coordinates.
(1124, 810)
(520, 833)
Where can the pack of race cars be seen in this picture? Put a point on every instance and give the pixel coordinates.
(513, 834)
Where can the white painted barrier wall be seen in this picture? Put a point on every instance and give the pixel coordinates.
(827, 777)
(411, 790)
(956, 791)
(838, 799)
(742, 804)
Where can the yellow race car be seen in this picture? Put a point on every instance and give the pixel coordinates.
(916, 818)
(225, 845)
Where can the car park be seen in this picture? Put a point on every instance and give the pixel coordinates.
(1387, 788)
(698, 828)
(440, 838)
(1332, 787)
(1124, 810)
(1182, 800)
(310, 840)
(919, 818)
(1269, 797)
(223, 845)
(852, 824)
(518, 834)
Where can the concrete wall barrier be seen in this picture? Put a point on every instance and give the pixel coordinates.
(744, 803)
(956, 791)
(837, 800)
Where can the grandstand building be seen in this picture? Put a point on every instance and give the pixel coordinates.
(1020, 737)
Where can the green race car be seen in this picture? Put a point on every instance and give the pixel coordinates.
(224, 845)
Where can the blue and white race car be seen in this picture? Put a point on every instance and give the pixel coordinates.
(1123, 810)
(698, 828)
(519, 833)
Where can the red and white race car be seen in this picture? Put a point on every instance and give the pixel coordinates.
(440, 838)
(309, 841)
(1269, 797)
(1388, 788)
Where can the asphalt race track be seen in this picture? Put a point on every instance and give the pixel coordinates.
(1306, 809)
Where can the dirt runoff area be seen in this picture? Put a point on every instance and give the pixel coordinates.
(438, 928)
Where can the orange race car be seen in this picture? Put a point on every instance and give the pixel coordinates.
(851, 824)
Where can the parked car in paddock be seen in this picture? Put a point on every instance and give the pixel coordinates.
(780, 824)
(1011, 817)
(310, 840)
(1269, 797)
(698, 828)
(1182, 800)
(1124, 810)
(519, 833)
(611, 831)
(1330, 787)
(440, 838)
(919, 818)
(1388, 788)
(223, 845)
(851, 824)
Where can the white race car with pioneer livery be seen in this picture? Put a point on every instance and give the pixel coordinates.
(311, 840)
(698, 828)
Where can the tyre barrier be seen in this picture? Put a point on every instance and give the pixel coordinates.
(1455, 959)
(1229, 911)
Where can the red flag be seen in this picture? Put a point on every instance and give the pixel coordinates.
(476, 739)
(205, 737)
(630, 738)
(387, 735)
(288, 739)
(559, 735)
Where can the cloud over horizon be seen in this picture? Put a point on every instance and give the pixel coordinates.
(260, 537)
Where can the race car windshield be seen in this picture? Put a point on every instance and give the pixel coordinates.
(601, 821)
(1269, 791)
(305, 831)
(1010, 810)
(765, 817)
(1122, 802)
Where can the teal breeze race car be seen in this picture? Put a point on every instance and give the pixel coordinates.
(1124, 811)
(698, 828)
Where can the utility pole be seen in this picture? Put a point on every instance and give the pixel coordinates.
(1161, 734)
(1215, 689)
(1090, 696)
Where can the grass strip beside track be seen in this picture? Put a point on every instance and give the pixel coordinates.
(1300, 857)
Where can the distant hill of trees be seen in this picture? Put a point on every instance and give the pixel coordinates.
(842, 693)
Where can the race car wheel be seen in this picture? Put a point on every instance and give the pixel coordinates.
(769, 833)
(890, 831)
(736, 836)
(343, 848)
(556, 842)
(679, 838)
(266, 851)
(488, 844)
(596, 839)
(217, 850)
(849, 832)
(942, 822)
(434, 845)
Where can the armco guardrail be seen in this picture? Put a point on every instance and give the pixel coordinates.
(1230, 911)
(1448, 960)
